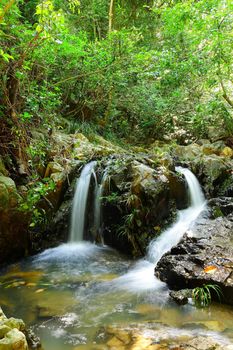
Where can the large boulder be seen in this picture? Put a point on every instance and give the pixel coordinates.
(139, 200)
(204, 258)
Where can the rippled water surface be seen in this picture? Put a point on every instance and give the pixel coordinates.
(69, 294)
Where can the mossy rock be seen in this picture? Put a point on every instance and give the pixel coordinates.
(3, 170)
(8, 193)
(14, 340)
(227, 152)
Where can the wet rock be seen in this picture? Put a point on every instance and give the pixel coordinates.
(154, 337)
(14, 340)
(202, 343)
(14, 335)
(32, 340)
(221, 206)
(215, 326)
(181, 296)
(206, 258)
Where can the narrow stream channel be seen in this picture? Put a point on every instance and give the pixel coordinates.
(72, 293)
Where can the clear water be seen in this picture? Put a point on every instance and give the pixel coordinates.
(71, 293)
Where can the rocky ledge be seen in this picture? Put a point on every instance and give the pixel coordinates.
(205, 255)
(15, 336)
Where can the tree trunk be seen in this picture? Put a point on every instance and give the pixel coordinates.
(110, 16)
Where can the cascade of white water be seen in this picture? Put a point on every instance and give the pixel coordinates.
(171, 237)
(141, 277)
(197, 198)
(97, 208)
(80, 203)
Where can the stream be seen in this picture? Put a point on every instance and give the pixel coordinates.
(70, 293)
(77, 295)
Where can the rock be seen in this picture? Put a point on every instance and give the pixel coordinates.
(187, 153)
(3, 330)
(227, 152)
(8, 193)
(13, 236)
(14, 340)
(155, 337)
(213, 171)
(32, 340)
(146, 181)
(215, 326)
(56, 233)
(84, 149)
(178, 190)
(3, 170)
(222, 206)
(206, 258)
(15, 323)
(53, 167)
(138, 200)
(14, 336)
(202, 343)
(216, 133)
(210, 164)
(181, 296)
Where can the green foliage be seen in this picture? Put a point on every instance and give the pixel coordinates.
(113, 197)
(202, 295)
(163, 71)
(38, 153)
(38, 190)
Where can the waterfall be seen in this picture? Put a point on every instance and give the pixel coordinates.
(196, 195)
(141, 276)
(97, 212)
(80, 203)
(171, 237)
(97, 209)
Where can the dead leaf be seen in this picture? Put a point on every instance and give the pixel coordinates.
(210, 269)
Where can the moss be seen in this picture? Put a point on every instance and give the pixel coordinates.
(226, 188)
(217, 212)
(3, 170)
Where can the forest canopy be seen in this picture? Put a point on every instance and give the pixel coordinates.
(132, 70)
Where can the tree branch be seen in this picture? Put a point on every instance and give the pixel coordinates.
(225, 96)
(6, 9)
